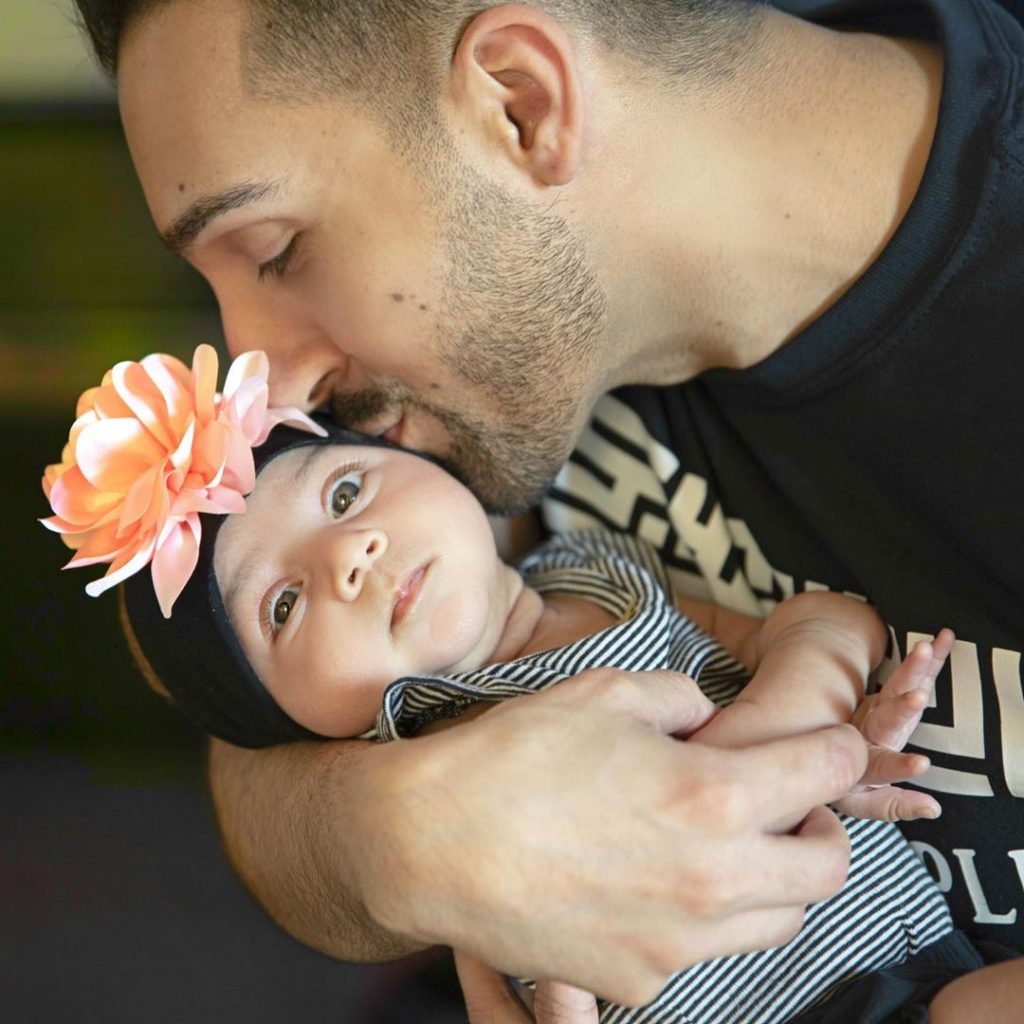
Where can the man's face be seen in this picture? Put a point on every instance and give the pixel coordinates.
(425, 303)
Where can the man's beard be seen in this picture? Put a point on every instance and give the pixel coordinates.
(520, 315)
(503, 466)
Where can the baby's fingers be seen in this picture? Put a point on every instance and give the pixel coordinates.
(889, 803)
(554, 1002)
(890, 720)
(921, 666)
(888, 766)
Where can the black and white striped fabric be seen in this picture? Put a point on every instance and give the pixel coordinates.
(890, 907)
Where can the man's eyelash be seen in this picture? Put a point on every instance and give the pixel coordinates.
(277, 266)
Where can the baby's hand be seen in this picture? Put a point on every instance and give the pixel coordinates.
(489, 999)
(886, 719)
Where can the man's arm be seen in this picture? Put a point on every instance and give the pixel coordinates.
(274, 808)
(367, 851)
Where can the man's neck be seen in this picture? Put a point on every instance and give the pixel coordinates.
(728, 217)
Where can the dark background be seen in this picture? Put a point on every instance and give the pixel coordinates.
(115, 901)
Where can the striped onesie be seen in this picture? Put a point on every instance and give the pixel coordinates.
(889, 908)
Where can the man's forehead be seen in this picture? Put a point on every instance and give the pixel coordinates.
(174, 74)
(191, 35)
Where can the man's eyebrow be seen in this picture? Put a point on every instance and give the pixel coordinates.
(184, 231)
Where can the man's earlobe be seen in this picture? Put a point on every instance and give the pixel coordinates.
(516, 82)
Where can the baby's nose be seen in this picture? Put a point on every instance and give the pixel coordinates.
(353, 554)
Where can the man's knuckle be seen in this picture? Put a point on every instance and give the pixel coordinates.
(840, 765)
(706, 891)
(785, 927)
(716, 805)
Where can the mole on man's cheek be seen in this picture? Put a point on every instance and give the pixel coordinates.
(399, 297)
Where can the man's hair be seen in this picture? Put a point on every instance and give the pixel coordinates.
(370, 48)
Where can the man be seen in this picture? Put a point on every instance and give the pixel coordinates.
(461, 228)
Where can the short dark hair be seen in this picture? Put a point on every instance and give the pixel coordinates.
(369, 47)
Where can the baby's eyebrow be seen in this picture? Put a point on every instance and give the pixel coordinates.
(240, 583)
(252, 563)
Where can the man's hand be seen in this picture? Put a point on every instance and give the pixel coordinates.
(568, 835)
(886, 719)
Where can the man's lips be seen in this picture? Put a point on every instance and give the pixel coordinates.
(408, 593)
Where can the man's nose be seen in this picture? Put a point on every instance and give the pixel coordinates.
(305, 365)
(349, 555)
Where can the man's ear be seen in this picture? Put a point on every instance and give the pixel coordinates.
(515, 84)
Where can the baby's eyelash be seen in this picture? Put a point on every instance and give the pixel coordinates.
(335, 475)
(266, 611)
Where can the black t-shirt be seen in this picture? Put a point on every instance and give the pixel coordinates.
(880, 452)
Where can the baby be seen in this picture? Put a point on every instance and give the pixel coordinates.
(361, 594)
(356, 565)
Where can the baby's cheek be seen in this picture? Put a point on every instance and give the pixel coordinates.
(457, 626)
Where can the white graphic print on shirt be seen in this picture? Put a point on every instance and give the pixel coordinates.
(619, 478)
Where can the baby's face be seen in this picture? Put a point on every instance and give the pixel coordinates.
(353, 566)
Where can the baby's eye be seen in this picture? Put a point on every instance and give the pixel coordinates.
(343, 494)
(282, 608)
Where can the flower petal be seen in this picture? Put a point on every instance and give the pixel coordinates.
(218, 500)
(76, 501)
(113, 454)
(141, 496)
(175, 560)
(181, 457)
(137, 389)
(290, 415)
(101, 545)
(127, 564)
(248, 364)
(248, 406)
(239, 468)
(173, 380)
(210, 452)
(204, 383)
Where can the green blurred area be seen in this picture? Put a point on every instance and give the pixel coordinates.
(116, 902)
(83, 279)
(84, 283)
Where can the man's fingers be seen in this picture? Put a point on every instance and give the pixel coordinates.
(787, 777)
(804, 867)
(670, 701)
(489, 1000)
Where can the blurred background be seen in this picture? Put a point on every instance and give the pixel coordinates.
(116, 903)
(115, 900)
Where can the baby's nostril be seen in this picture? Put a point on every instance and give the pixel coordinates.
(352, 577)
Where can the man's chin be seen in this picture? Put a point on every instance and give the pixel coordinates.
(504, 496)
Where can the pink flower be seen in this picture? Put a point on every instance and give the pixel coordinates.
(152, 447)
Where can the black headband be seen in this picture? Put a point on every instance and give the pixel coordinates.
(195, 654)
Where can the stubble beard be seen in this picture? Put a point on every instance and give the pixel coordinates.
(521, 315)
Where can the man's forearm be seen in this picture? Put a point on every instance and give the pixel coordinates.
(282, 814)
(449, 838)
